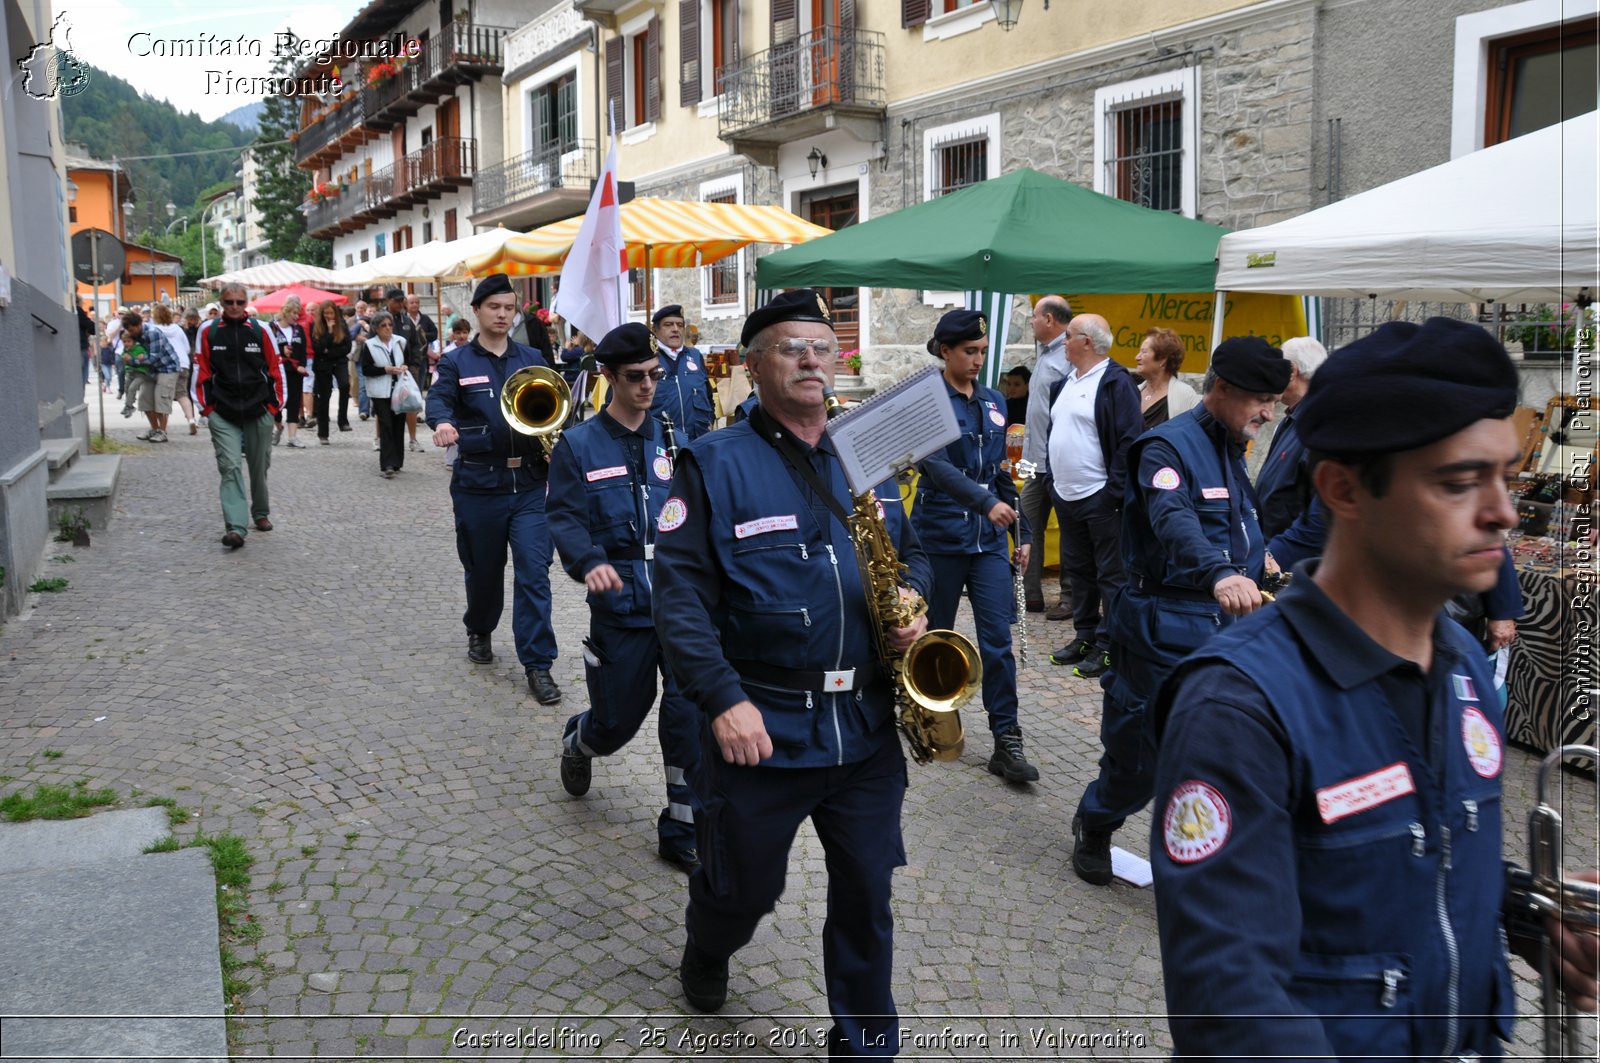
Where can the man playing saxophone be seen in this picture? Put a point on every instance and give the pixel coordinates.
(763, 618)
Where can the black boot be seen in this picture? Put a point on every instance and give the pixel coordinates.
(543, 688)
(704, 979)
(478, 649)
(1008, 759)
(1091, 853)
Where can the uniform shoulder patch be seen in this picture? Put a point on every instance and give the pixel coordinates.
(1166, 479)
(1482, 741)
(1197, 822)
(662, 467)
(997, 417)
(673, 513)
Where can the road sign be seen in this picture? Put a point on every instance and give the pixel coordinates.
(97, 256)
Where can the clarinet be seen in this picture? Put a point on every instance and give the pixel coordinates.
(670, 435)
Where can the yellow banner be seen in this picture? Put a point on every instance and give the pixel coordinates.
(1275, 318)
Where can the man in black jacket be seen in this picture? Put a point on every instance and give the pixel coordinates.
(416, 352)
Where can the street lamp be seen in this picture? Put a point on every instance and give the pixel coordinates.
(229, 198)
(172, 208)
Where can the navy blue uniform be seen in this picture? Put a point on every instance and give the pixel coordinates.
(498, 491)
(1188, 522)
(685, 393)
(1350, 804)
(958, 488)
(607, 486)
(1283, 483)
(759, 597)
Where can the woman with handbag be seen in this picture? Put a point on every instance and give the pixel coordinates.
(383, 360)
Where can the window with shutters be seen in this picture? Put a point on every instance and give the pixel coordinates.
(450, 224)
(633, 72)
(708, 44)
(955, 156)
(721, 283)
(553, 109)
(636, 292)
(1144, 141)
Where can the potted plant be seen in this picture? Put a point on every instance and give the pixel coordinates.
(851, 360)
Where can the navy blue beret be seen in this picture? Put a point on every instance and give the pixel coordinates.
(395, 293)
(1251, 363)
(801, 304)
(493, 284)
(674, 310)
(1406, 386)
(625, 344)
(958, 326)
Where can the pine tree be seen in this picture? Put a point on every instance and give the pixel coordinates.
(282, 186)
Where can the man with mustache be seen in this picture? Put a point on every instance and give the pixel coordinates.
(1194, 556)
(1328, 867)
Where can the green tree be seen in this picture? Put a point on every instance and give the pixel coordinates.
(282, 186)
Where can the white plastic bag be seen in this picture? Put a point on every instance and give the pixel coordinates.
(407, 397)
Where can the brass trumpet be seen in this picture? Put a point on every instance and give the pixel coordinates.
(536, 401)
(1558, 897)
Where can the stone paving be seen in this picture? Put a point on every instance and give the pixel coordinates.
(426, 887)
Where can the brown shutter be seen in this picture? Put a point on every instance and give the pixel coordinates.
(652, 71)
(689, 52)
(785, 21)
(616, 49)
(846, 45)
(913, 12)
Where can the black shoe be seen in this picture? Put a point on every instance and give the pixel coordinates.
(346, 427)
(478, 649)
(684, 859)
(1062, 610)
(704, 979)
(575, 769)
(1091, 854)
(233, 540)
(1072, 652)
(1008, 759)
(1093, 667)
(1035, 606)
(543, 688)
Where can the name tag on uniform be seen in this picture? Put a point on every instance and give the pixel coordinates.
(839, 682)
(1368, 791)
(1213, 492)
(649, 551)
(762, 525)
(474, 380)
(606, 474)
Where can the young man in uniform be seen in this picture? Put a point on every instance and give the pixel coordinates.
(497, 489)
(608, 480)
(765, 624)
(1331, 766)
(685, 394)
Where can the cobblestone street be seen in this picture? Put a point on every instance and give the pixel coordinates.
(427, 888)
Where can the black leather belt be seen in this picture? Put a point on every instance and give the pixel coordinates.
(1146, 585)
(632, 553)
(794, 679)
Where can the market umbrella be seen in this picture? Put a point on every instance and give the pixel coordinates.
(308, 296)
(657, 232)
(435, 261)
(274, 275)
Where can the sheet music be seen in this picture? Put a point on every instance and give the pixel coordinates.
(894, 429)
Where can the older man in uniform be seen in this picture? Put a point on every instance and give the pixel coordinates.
(497, 489)
(1332, 766)
(1194, 557)
(766, 626)
(685, 395)
(608, 481)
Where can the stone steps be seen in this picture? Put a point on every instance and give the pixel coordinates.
(87, 486)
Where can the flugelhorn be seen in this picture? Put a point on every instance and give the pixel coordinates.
(536, 401)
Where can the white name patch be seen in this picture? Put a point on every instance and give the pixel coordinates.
(1482, 742)
(1165, 479)
(474, 380)
(606, 474)
(1368, 791)
(1213, 492)
(762, 525)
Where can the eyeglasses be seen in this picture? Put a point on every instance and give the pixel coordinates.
(796, 349)
(637, 376)
(234, 302)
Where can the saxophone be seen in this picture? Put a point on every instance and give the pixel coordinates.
(941, 670)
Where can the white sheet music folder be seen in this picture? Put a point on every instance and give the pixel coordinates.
(896, 428)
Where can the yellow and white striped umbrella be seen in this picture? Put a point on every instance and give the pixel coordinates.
(657, 232)
(275, 275)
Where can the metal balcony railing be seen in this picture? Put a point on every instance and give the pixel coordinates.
(471, 45)
(330, 127)
(444, 163)
(823, 68)
(540, 170)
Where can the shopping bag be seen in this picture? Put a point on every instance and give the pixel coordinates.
(407, 397)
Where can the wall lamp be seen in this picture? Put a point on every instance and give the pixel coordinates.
(816, 161)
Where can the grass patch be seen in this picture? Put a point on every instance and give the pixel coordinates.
(55, 802)
(176, 813)
(308, 850)
(53, 754)
(99, 444)
(49, 585)
(65, 559)
(169, 844)
(276, 885)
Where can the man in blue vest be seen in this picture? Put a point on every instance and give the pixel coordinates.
(608, 481)
(685, 394)
(1194, 556)
(497, 489)
(765, 624)
(1327, 852)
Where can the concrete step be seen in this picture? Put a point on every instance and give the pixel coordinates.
(60, 453)
(131, 936)
(56, 843)
(88, 487)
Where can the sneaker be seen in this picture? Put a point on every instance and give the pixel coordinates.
(685, 859)
(1072, 652)
(346, 427)
(296, 444)
(543, 688)
(323, 440)
(1008, 760)
(158, 436)
(575, 772)
(365, 416)
(388, 474)
(127, 411)
(144, 437)
(1091, 853)
(277, 434)
(411, 444)
(1093, 667)
(376, 445)
(194, 429)
(704, 979)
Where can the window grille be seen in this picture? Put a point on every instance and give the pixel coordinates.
(722, 276)
(1146, 165)
(959, 163)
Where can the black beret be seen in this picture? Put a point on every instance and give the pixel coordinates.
(666, 311)
(625, 344)
(493, 284)
(1251, 363)
(394, 293)
(801, 304)
(1406, 386)
(958, 326)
